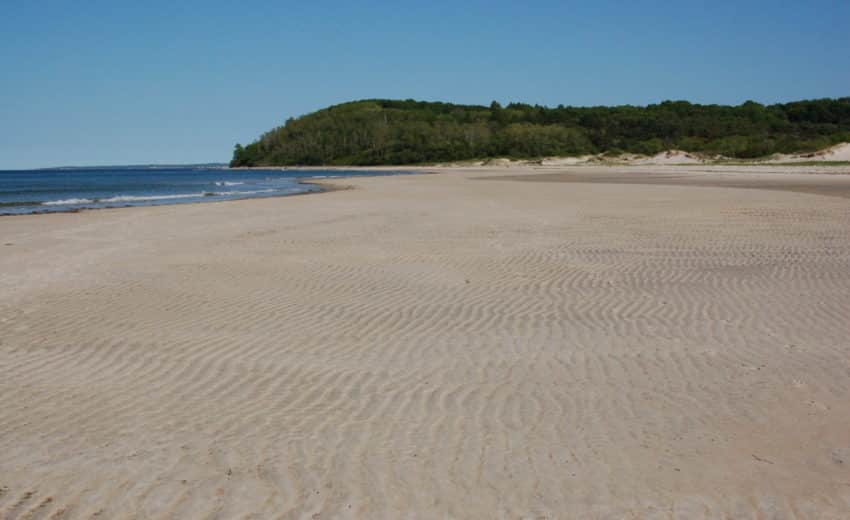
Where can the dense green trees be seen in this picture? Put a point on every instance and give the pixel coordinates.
(403, 132)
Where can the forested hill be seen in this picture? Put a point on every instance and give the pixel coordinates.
(379, 131)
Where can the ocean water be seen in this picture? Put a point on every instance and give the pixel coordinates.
(37, 191)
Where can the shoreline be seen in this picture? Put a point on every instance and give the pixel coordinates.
(639, 173)
(325, 187)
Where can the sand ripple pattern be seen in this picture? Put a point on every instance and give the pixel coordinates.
(431, 347)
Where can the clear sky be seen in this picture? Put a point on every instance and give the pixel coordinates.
(119, 82)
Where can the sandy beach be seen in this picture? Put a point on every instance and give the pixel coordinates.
(529, 342)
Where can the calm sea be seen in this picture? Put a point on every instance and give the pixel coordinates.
(36, 191)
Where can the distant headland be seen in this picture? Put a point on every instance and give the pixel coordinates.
(379, 131)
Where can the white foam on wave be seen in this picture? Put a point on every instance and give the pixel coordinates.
(228, 183)
(149, 198)
(67, 202)
(142, 198)
(253, 192)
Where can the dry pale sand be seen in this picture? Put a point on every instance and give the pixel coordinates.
(435, 346)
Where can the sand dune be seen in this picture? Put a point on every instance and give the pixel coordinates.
(837, 153)
(672, 157)
(598, 344)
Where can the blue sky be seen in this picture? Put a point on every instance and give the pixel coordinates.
(114, 82)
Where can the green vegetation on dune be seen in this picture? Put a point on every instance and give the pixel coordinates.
(380, 131)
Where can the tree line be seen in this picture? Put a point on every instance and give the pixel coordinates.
(381, 131)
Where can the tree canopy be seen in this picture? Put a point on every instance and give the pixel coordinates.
(381, 131)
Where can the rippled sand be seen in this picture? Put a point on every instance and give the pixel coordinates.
(594, 344)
